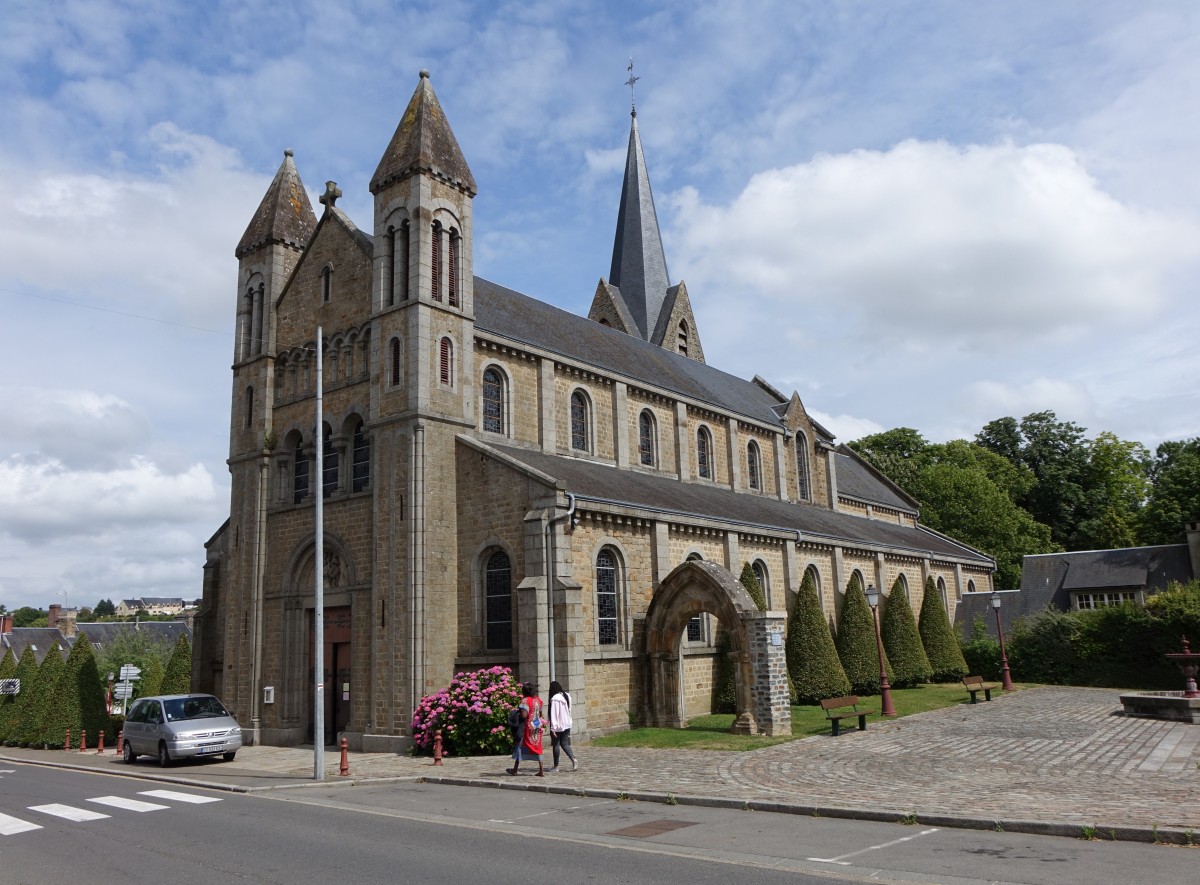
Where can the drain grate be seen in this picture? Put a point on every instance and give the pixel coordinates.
(652, 828)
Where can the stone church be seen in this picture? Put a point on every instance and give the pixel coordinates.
(506, 483)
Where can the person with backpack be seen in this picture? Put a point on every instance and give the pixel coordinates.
(527, 735)
(560, 724)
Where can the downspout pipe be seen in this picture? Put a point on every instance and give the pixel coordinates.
(550, 576)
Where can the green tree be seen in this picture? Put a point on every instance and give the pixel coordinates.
(946, 663)
(8, 670)
(28, 616)
(855, 642)
(178, 676)
(724, 698)
(750, 582)
(105, 608)
(812, 660)
(1174, 493)
(10, 715)
(1118, 479)
(36, 706)
(137, 647)
(77, 701)
(152, 679)
(901, 642)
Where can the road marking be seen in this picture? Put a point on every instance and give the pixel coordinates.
(68, 812)
(841, 860)
(127, 804)
(180, 797)
(11, 825)
(496, 820)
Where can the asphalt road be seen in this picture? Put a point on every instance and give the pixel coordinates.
(69, 827)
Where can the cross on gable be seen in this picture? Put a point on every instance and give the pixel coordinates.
(332, 192)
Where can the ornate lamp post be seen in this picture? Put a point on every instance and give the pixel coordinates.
(1006, 676)
(885, 690)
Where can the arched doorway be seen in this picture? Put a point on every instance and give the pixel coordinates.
(756, 645)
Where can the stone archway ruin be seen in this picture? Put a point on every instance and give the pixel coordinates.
(756, 643)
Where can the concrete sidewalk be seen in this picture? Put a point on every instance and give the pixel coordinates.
(1048, 760)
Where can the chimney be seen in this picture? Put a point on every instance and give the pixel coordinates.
(1193, 542)
(67, 623)
(5, 623)
(52, 618)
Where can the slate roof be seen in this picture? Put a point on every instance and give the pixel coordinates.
(103, 632)
(423, 142)
(284, 216)
(41, 638)
(602, 483)
(519, 318)
(856, 480)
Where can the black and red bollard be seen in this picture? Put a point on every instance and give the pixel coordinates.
(120, 741)
(67, 740)
(100, 746)
(83, 740)
(437, 747)
(344, 770)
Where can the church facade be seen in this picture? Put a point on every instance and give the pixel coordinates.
(506, 483)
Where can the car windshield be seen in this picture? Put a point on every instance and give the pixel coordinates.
(182, 709)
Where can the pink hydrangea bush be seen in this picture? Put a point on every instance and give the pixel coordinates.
(472, 714)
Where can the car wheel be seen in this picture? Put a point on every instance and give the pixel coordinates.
(127, 753)
(164, 758)
(228, 757)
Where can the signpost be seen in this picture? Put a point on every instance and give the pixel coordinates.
(10, 686)
(123, 690)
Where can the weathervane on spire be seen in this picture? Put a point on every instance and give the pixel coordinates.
(630, 83)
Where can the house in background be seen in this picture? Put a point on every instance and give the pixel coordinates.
(152, 605)
(68, 629)
(1087, 579)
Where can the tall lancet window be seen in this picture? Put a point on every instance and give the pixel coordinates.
(647, 437)
(299, 475)
(753, 466)
(493, 401)
(452, 268)
(803, 487)
(704, 465)
(579, 422)
(360, 460)
(435, 262)
(329, 470)
(446, 374)
(390, 291)
(326, 283)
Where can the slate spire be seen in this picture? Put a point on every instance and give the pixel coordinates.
(423, 142)
(639, 266)
(284, 216)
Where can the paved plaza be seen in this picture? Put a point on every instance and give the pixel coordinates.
(1051, 759)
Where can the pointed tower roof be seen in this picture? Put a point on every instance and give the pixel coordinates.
(423, 142)
(639, 266)
(284, 216)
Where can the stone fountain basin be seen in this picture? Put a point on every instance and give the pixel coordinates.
(1170, 705)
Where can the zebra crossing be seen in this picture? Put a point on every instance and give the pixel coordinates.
(11, 825)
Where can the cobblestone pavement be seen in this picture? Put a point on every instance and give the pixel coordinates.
(1051, 755)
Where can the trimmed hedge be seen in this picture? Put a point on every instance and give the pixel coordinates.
(178, 676)
(724, 697)
(77, 700)
(901, 642)
(750, 582)
(946, 662)
(813, 666)
(36, 708)
(10, 714)
(855, 642)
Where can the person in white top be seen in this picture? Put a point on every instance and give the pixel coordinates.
(560, 724)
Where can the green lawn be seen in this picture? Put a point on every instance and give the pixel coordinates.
(712, 732)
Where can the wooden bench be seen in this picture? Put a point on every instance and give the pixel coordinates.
(837, 709)
(975, 685)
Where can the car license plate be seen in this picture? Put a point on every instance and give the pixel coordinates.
(214, 749)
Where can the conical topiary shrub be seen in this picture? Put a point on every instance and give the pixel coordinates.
(901, 642)
(8, 670)
(855, 642)
(750, 582)
(724, 699)
(152, 679)
(10, 715)
(37, 703)
(77, 702)
(178, 677)
(946, 661)
(812, 661)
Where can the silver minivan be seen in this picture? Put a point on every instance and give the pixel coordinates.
(179, 726)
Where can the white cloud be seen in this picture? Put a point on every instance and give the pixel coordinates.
(75, 427)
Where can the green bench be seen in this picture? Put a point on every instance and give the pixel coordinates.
(846, 707)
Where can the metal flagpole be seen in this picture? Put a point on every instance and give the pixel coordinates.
(319, 580)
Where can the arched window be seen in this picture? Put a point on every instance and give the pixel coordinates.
(753, 465)
(329, 472)
(394, 368)
(360, 460)
(326, 283)
(390, 279)
(447, 362)
(606, 598)
(902, 581)
(493, 401)
(452, 269)
(498, 607)
(249, 406)
(580, 425)
(399, 259)
(683, 337)
(647, 439)
(970, 586)
(760, 573)
(704, 465)
(803, 489)
(299, 475)
(941, 585)
(435, 262)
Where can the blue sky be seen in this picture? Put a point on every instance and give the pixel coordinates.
(915, 214)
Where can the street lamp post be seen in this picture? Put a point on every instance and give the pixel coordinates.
(885, 689)
(1006, 679)
(108, 700)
